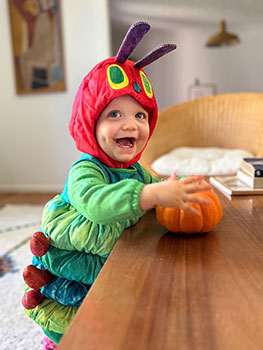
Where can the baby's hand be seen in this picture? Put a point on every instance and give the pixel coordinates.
(175, 193)
(178, 193)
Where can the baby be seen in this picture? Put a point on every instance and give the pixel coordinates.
(107, 190)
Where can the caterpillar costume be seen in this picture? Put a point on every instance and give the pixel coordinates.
(81, 225)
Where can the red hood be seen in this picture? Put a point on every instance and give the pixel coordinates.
(96, 92)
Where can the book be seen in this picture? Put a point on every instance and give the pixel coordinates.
(232, 185)
(253, 166)
(251, 181)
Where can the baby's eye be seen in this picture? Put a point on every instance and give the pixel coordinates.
(114, 114)
(140, 115)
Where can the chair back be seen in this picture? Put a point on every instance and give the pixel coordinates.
(228, 121)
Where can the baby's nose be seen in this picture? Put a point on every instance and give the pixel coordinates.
(129, 124)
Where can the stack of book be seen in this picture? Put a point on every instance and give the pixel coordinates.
(251, 172)
(247, 181)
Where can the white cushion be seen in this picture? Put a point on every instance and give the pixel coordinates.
(200, 161)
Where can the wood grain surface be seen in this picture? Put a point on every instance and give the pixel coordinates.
(164, 291)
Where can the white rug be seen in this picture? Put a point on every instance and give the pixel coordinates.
(17, 224)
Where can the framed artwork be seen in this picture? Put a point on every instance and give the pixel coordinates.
(197, 90)
(37, 45)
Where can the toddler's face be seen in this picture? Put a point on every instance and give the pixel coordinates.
(122, 128)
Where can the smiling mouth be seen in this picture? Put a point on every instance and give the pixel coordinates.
(125, 142)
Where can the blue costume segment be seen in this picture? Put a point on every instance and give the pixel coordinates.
(64, 291)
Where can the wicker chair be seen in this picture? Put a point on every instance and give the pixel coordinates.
(230, 121)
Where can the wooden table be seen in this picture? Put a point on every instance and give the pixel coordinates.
(163, 291)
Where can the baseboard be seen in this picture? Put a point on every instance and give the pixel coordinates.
(45, 188)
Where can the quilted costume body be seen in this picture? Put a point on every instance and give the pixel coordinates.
(80, 242)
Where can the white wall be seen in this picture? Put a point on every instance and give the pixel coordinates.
(232, 69)
(36, 149)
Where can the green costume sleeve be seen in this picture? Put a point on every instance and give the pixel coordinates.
(99, 201)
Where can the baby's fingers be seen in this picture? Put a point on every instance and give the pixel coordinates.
(197, 187)
(191, 179)
(198, 199)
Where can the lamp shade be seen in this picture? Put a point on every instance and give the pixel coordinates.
(223, 38)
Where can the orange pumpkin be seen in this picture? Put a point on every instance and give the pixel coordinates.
(177, 220)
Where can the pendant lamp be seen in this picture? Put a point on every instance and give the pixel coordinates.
(223, 38)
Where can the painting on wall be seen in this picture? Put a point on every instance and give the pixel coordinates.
(37, 45)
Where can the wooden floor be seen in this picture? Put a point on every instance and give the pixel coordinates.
(25, 198)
